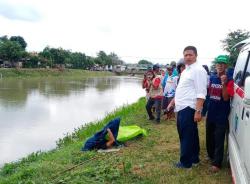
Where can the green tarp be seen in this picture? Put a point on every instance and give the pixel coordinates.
(129, 132)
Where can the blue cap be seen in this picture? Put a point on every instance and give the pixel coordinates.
(156, 66)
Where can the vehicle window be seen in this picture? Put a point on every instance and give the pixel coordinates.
(239, 68)
(247, 71)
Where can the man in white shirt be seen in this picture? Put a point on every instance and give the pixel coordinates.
(189, 98)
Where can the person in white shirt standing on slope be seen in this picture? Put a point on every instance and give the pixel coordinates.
(189, 98)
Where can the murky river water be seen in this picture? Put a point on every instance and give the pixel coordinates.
(35, 113)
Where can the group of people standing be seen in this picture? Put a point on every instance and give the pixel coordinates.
(160, 88)
(184, 89)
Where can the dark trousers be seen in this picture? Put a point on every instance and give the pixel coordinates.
(215, 137)
(157, 103)
(166, 101)
(189, 137)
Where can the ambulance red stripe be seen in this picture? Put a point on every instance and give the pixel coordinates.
(239, 91)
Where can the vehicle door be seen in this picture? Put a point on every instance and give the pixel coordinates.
(246, 123)
(237, 109)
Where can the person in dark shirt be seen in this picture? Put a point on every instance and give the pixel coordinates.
(100, 141)
(220, 91)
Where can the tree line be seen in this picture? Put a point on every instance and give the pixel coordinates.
(13, 49)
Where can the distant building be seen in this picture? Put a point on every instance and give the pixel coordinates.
(18, 64)
(138, 67)
(60, 66)
(119, 68)
(108, 68)
(68, 65)
(7, 64)
(97, 67)
(144, 67)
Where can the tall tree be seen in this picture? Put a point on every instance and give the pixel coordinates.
(115, 60)
(90, 61)
(19, 40)
(32, 61)
(144, 62)
(56, 55)
(232, 39)
(103, 58)
(46, 57)
(11, 51)
(78, 60)
(4, 38)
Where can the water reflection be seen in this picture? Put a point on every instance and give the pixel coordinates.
(14, 93)
(35, 113)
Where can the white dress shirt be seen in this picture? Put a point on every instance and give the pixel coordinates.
(192, 85)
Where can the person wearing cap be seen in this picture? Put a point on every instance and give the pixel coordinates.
(220, 91)
(189, 98)
(155, 94)
(169, 90)
(175, 73)
(173, 65)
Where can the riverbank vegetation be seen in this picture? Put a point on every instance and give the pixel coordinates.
(144, 160)
(35, 73)
(13, 54)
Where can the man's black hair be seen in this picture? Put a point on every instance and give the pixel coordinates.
(191, 48)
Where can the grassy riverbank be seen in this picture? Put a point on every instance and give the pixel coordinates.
(144, 160)
(36, 73)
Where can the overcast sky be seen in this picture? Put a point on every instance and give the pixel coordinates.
(156, 30)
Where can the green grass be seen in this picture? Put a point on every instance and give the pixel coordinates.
(35, 73)
(144, 160)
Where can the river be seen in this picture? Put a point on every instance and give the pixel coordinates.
(35, 113)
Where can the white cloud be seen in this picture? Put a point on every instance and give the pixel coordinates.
(17, 11)
(153, 29)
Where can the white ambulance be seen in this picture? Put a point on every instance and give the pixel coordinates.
(239, 119)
